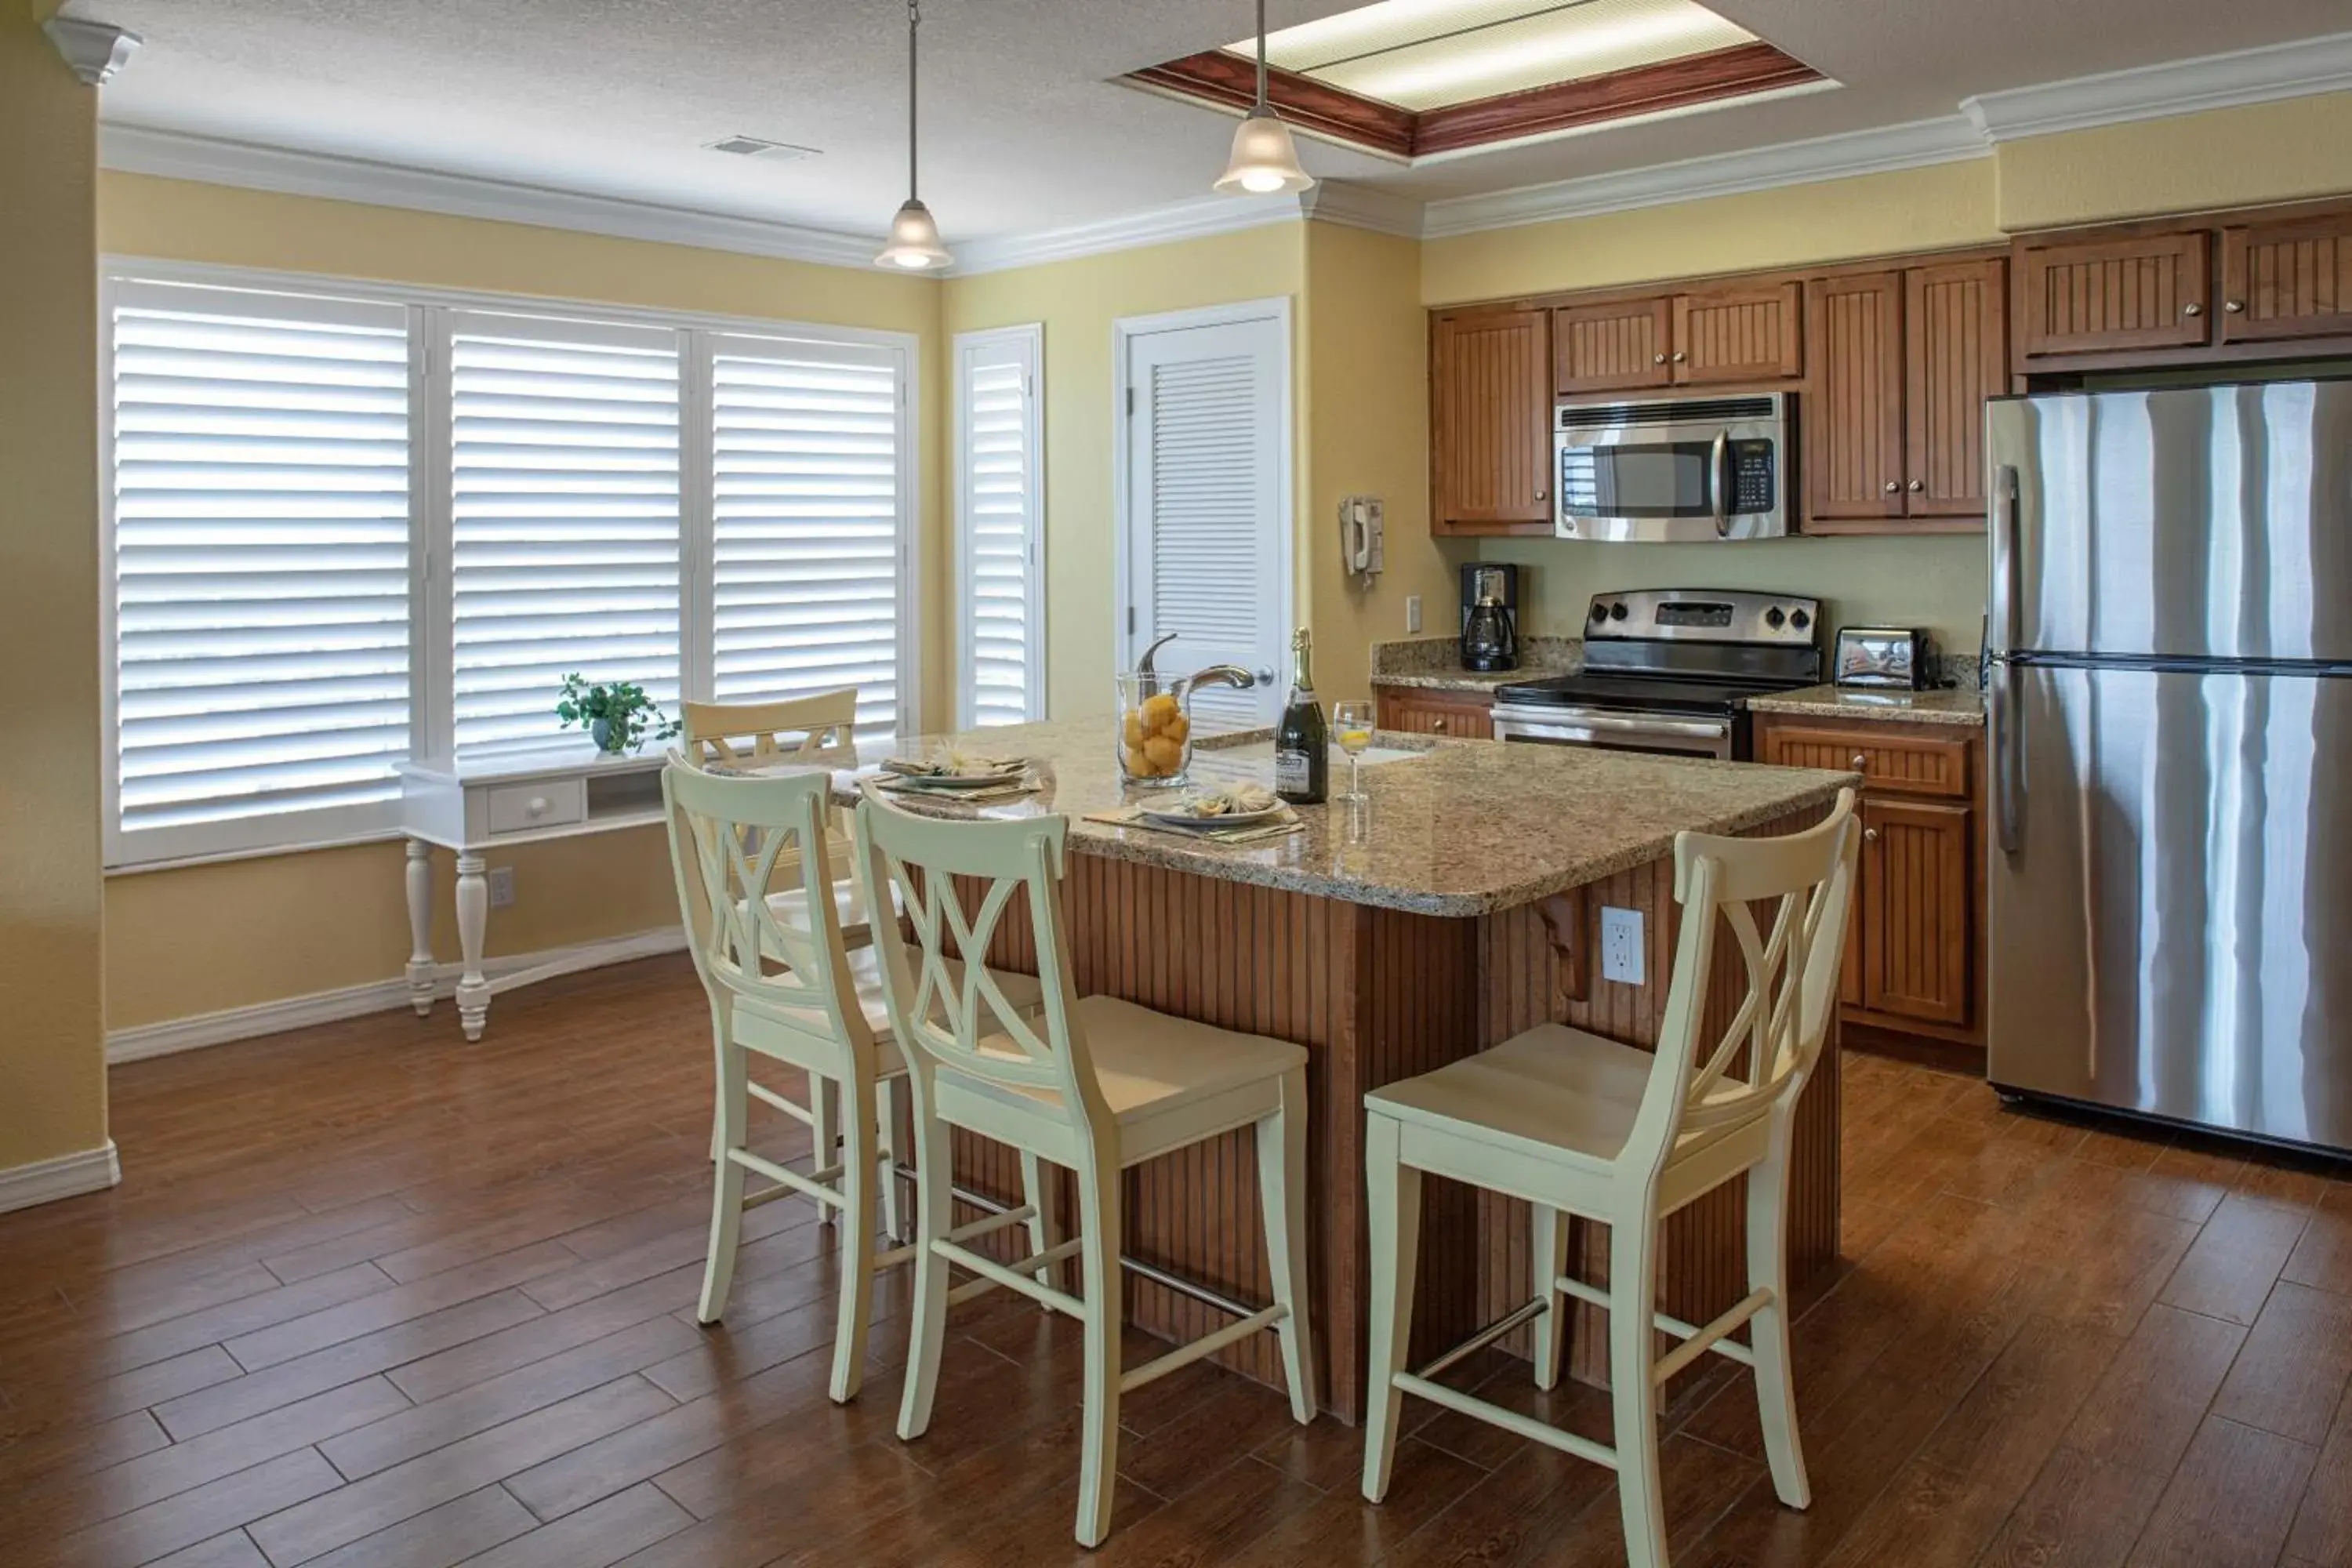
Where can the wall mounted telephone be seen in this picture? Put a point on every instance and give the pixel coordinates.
(1360, 547)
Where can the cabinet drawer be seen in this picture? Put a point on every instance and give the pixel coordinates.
(1900, 763)
(550, 803)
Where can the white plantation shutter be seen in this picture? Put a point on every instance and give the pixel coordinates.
(1206, 510)
(259, 566)
(809, 563)
(565, 519)
(1000, 515)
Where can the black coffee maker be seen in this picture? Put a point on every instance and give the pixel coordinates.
(1490, 617)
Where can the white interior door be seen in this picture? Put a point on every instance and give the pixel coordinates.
(1207, 545)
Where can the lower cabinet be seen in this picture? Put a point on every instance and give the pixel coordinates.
(1417, 710)
(1914, 946)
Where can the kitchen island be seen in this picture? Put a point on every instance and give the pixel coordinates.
(1458, 905)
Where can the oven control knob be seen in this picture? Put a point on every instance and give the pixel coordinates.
(1617, 611)
(1773, 617)
(1600, 611)
(1799, 619)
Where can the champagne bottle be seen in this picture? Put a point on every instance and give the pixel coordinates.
(1302, 750)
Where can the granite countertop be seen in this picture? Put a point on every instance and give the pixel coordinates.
(1434, 664)
(1963, 709)
(1455, 828)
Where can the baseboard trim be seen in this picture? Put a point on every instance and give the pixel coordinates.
(67, 1176)
(141, 1041)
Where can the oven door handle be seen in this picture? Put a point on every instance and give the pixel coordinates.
(1555, 722)
(1718, 485)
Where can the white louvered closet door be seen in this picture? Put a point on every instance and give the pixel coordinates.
(564, 517)
(259, 509)
(1000, 529)
(811, 570)
(1208, 546)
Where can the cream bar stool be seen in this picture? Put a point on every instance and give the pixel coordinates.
(1578, 1125)
(793, 993)
(1102, 1086)
(746, 736)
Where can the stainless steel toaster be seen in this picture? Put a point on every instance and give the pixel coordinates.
(1882, 656)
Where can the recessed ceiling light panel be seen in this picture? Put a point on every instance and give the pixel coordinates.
(758, 147)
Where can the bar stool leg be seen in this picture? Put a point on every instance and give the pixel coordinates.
(886, 1102)
(727, 1131)
(824, 1132)
(857, 1232)
(1098, 1220)
(1768, 1331)
(1548, 1253)
(1039, 1191)
(1632, 1293)
(1394, 1211)
(934, 1194)
(1282, 1195)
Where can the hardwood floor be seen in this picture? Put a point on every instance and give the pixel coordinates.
(368, 1296)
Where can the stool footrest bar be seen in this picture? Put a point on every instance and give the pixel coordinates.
(1526, 1311)
(1509, 1420)
(1207, 1344)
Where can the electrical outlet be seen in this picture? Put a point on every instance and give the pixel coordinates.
(501, 881)
(1412, 613)
(1621, 945)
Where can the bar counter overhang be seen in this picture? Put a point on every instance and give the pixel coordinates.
(1460, 907)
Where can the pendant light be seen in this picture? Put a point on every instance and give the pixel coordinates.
(1264, 162)
(914, 233)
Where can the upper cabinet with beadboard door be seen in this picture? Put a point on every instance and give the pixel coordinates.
(2095, 295)
(1852, 426)
(2287, 280)
(1490, 393)
(1612, 347)
(1736, 332)
(1955, 354)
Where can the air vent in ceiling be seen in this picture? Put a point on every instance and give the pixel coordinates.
(758, 147)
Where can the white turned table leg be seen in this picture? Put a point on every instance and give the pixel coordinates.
(473, 917)
(420, 926)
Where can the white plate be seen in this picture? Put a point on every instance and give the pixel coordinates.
(1223, 819)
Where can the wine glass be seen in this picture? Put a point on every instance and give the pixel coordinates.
(1354, 720)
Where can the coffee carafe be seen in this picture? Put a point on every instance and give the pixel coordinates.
(1490, 614)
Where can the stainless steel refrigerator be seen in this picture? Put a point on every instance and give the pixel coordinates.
(2169, 751)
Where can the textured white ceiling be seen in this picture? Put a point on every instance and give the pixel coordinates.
(1024, 128)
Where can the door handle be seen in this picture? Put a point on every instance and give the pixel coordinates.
(1718, 488)
(2008, 773)
(2005, 506)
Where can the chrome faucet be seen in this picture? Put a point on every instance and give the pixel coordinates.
(1146, 669)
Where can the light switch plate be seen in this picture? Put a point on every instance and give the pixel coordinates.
(501, 879)
(1621, 946)
(1412, 613)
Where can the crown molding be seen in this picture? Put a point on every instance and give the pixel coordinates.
(172, 154)
(1360, 206)
(1158, 226)
(1915, 145)
(2154, 92)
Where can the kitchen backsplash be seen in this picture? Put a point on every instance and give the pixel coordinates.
(1436, 655)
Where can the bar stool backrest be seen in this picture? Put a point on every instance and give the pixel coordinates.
(1759, 1065)
(733, 842)
(985, 1036)
(797, 728)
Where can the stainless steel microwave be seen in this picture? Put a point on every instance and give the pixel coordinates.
(1674, 470)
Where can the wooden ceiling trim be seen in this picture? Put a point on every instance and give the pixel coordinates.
(1230, 81)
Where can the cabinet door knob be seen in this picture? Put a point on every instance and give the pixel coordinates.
(1870, 835)
(1438, 724)
(1541, 494)
(1657, 359)
(1680, 356)
(1918, 485)
(1893, 486)
(535, 806)
(1859, 762)
(2192, 308)
(2233, 306)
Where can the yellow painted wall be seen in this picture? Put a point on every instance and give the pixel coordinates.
(52, 1063)
(1077, 301)
(1935, 207)
(201, 939)
(2293, 149)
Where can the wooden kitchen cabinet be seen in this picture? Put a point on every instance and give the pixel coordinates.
(1736, 332)
(1623, 345)
(1901, 363)
(1490, 398)
(2287, 280)
(1914, 946)
(1420, 710)
(2140, 290)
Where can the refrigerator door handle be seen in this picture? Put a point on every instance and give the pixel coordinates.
(2008, 775)
(2004, 558)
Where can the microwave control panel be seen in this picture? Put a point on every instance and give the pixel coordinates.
(1752, 478)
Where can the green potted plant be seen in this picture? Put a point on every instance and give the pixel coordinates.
(617, 714)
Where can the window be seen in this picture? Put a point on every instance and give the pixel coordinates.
(1000, 529)
(349, 525)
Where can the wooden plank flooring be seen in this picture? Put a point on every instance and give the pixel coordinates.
(369, 1296)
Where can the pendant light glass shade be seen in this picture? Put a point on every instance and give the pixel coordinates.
(914, 239)
(914, 234)
(1265, 161)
